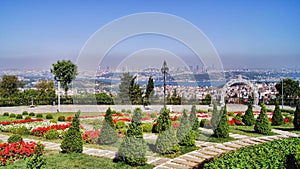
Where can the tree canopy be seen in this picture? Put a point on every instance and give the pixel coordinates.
(291, 88)
(65, 71)
(9, 86)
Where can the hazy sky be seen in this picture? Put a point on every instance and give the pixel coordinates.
(246, 34)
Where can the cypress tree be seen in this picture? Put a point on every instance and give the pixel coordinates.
(73, 142)
(222, 129)
(133, 148)
(194, 121)
(248, 118)
(108, 133)
(277, 118)
(296, 121)
(262, 124)
(216, 116)
(185, 134)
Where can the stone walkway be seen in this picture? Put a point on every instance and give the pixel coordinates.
(194, 159)
(209, 150)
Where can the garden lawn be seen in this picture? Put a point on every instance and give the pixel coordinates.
(247, 131)
(78, 161)
(207, 137)
(287, 127)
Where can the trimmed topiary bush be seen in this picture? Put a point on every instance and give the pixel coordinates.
(49, 116)
(37, 161)
(163, 121)
(5, 114)
(27, 118)
(20, 130)
(52, 134)
(194, 121)
(167, 142)
(216, 116)
(296, 120)
(185, 134)
(61, 118)
(147, 127)
(25, 113)
(108, 133)
(32, 114)
(19, 116)
(133, 148)
(248, 118)
(277, 118)
(73, 142)
(39, 115)
(262, 124)
(12, 115)
(14, 138)
(222, 130)
(120, 124)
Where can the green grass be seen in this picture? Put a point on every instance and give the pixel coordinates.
(247, 131)
(78, 161)
(287, 127)
(207, 137)
(183, 150)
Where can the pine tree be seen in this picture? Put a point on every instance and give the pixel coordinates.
(133, 148)
(163, 121)
(216, 116)
(262, 124)
(248, 118)
(194, 121)
(222, 129)
(73, 142)
(185, 134)
(297, 117)
(277, 118)
(108, 133)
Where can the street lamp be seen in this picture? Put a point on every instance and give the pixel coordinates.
(58, 94)
(164, 70)
(282, 94)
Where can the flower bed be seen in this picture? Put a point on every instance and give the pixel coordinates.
(40, 131)
(14, 151)
(20, 121)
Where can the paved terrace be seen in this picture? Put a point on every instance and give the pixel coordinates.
(103, 108)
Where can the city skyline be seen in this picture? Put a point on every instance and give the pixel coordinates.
(256, 34)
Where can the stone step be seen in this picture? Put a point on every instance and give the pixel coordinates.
(184, 162)
(175, 166)
(258, 140)
(192, 158)
(232, 145)
(211, 153)
(243, 144)
(249, 141)
(214, 149)
(222, 147)
(159, 161)
(200, 155)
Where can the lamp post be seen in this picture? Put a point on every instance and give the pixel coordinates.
(282, 94)
(164, 70)
(58, 95)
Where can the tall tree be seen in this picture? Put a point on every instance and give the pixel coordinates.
(291, 88)
(222, 129)
(124, 88)
(216, 116)
(9, 86)
(65, 71)
(45, 89)
(135, 92)
(149, 91)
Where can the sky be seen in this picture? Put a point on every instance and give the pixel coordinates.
(246, 34)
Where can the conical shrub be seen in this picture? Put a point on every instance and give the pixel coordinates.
(185, 134)
(163, 121)
(133, 148)
(73, 142)
(216, 116)
(277, 118)
(296, 121)
(262, 124)
(167, 142)
(108, 133)
(222, 129)
(194, 121)
(248, 118)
